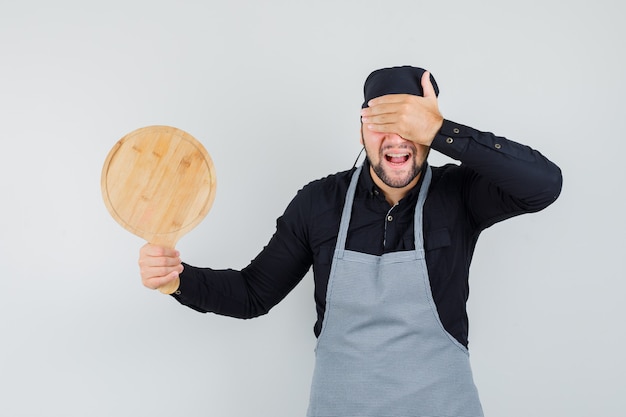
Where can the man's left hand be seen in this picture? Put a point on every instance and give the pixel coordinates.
(414, 118)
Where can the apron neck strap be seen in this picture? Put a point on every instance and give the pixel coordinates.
(347, 209)
(419, 206)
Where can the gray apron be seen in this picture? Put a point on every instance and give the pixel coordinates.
(383, 351)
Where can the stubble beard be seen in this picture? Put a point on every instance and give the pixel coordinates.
(386, 179)
(397, 182)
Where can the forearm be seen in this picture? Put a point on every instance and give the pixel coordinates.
(254, 290)
(233, 293)
(517, 170)
(217, 291)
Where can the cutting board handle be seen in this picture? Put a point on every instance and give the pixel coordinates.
(167, 241)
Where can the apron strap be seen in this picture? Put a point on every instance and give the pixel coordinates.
(419, 212)
(347, 211)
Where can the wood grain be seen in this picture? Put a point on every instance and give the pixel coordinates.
(158, 182)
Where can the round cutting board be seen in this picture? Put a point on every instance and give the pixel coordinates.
(158, 182)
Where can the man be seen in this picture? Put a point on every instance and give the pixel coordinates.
(390, 243)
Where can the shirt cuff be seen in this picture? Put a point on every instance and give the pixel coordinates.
(452, 139)
(187, 290)
(185, 286)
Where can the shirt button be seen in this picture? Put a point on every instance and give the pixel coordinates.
(449, 140)
(456, 130)
(389, 218)
(498, 146)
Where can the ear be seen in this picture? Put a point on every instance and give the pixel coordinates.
(361, 134)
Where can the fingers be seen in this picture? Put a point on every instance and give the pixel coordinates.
(386, 123)
(158, 265)
(427, 86)
(381, 116)
(154, 250)
(390, 113)
(384, 108)
(158, 278)
(156, 283)
(411, 117)
(386, 99)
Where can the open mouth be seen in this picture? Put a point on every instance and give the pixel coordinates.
(397, 158)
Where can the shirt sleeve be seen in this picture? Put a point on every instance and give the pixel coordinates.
(505, 178)
(254, 290)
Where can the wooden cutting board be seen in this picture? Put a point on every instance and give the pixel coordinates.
(158, 182)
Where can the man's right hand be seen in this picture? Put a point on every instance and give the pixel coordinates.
(159, 267)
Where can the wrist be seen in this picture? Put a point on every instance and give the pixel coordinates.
(436, 128)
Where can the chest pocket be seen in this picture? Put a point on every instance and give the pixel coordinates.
(437, 239)
(438, 259)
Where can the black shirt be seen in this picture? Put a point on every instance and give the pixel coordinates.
(497, 179)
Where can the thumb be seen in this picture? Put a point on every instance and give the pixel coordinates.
(427, 86)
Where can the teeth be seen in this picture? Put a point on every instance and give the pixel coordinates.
(397, 155)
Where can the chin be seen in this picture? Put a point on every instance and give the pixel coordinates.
(397, 181)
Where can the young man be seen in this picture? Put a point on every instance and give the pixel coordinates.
(390, 243)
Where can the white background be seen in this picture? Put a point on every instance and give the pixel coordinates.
(273, 90)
